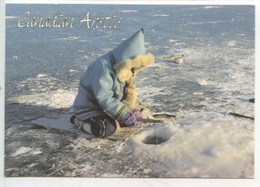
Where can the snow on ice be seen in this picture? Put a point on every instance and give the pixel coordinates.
(201, 145)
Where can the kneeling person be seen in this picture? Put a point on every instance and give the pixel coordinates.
(107, 97)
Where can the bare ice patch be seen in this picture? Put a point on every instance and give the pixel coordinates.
(52, 100)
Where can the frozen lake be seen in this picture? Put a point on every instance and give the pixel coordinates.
(44, 65)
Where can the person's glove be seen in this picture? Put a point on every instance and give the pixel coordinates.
(131, 118)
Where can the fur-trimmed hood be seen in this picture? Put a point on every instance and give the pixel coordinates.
(130, 56)
(130, 67)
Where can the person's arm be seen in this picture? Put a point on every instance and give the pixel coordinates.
(102, 87)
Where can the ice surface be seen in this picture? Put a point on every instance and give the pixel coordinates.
(216, 77)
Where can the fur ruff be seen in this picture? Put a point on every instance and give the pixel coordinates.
(125, 72)
(130, 94)
(130, 67)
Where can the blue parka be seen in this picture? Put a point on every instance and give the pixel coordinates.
(99, 89)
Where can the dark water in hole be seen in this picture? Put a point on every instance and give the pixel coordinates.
(154, 140)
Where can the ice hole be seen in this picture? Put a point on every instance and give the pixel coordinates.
(156, 138)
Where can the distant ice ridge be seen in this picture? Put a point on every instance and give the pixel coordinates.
(161, 15)
(209, 7)
(128, 11)
(70, 38)
(12, 17)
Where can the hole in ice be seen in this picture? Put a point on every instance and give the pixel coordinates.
(154, 140)
(154, 136)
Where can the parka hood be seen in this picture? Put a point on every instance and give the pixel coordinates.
(130, 48)
(130, 57)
